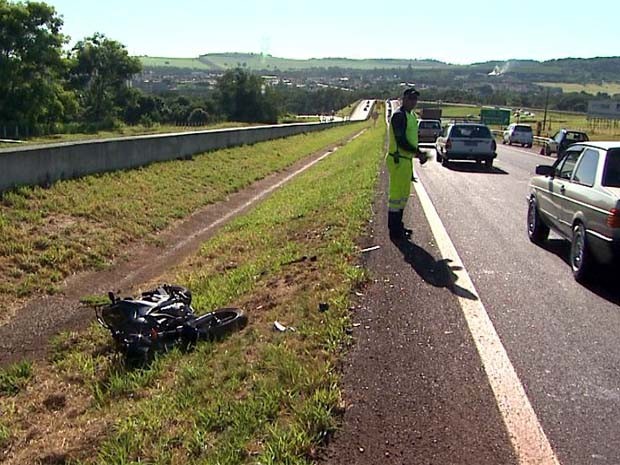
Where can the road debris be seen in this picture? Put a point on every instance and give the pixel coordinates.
(277, 326)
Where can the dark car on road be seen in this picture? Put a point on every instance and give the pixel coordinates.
(562, 139)
(579, 198)
(429, 130)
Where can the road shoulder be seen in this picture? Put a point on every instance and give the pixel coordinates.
(415, 388)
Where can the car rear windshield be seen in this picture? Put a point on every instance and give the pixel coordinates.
(471, 132)
(523, 129)
(611, 175)
(576, 137)
(429, 125)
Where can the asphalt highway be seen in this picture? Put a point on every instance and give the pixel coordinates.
(561, 337)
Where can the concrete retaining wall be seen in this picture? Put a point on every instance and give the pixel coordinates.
(43, 165)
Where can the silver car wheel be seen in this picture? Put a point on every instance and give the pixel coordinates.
(578, 248)
(537, 230)
(581, 260)
(531, 219)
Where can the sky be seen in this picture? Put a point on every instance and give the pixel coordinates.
(460, 32)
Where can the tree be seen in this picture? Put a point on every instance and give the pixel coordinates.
(574, 102)
(198, 116)
(244, 97)
(31, 64)
(138, 106)
(100, 70)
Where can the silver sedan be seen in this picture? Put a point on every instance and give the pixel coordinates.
(579, 198)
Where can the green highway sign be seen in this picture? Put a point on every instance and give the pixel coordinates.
(499, 116)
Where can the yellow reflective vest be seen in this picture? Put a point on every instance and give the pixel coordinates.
(411, 133)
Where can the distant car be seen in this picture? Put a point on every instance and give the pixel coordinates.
(579, 197)
(466, 141)
(518, 134)
(562, 139)
(428, 130)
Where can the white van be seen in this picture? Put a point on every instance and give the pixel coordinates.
(518, 134)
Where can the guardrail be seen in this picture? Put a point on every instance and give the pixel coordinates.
(45, 164)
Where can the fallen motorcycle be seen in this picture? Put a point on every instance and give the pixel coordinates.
(161, 319)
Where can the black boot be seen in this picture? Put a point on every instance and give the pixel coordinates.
(406, 232)
(394, 225)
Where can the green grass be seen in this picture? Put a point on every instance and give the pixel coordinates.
(48, 234)
(259, 396)
(555, 120)
(163, 62)
(610, 88)
(460, 111)
(5, 435)
(13, 379)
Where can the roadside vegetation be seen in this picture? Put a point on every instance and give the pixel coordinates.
(13, 378)
(555, 120)
(260, 396)
(47, 234)
(122, 131)
(348, 110)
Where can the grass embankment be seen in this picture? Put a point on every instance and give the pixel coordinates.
(260, 396)
(48, 234)
(347, 111)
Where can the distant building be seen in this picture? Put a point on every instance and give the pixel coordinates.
(607, 109)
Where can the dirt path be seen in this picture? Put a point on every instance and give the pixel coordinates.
(414, 387)
(26, 335)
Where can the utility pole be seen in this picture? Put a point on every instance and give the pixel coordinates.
(546, 106)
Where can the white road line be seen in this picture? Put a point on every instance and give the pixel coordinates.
(528, 439)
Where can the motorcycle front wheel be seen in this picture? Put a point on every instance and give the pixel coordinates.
(219, 323)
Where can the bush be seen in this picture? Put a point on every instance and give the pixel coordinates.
(198, 116)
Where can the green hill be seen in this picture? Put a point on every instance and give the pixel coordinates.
(182, 63)
(566, 70)
(265, 62)
(256, 61)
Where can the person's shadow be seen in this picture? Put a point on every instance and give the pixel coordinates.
(438, 273)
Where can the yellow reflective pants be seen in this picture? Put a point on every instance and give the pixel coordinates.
(400, 182)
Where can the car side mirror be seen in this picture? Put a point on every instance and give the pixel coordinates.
(545, 170)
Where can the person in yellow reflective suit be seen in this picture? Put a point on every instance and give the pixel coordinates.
(403, 147)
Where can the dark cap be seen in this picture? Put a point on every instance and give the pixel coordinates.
(411, 91)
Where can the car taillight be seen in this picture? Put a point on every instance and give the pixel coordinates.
(613, 220)
(448, 144)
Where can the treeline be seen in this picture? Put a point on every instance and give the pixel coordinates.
(47, 89)
(88, 88)
(486, 95)
(42, 84)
